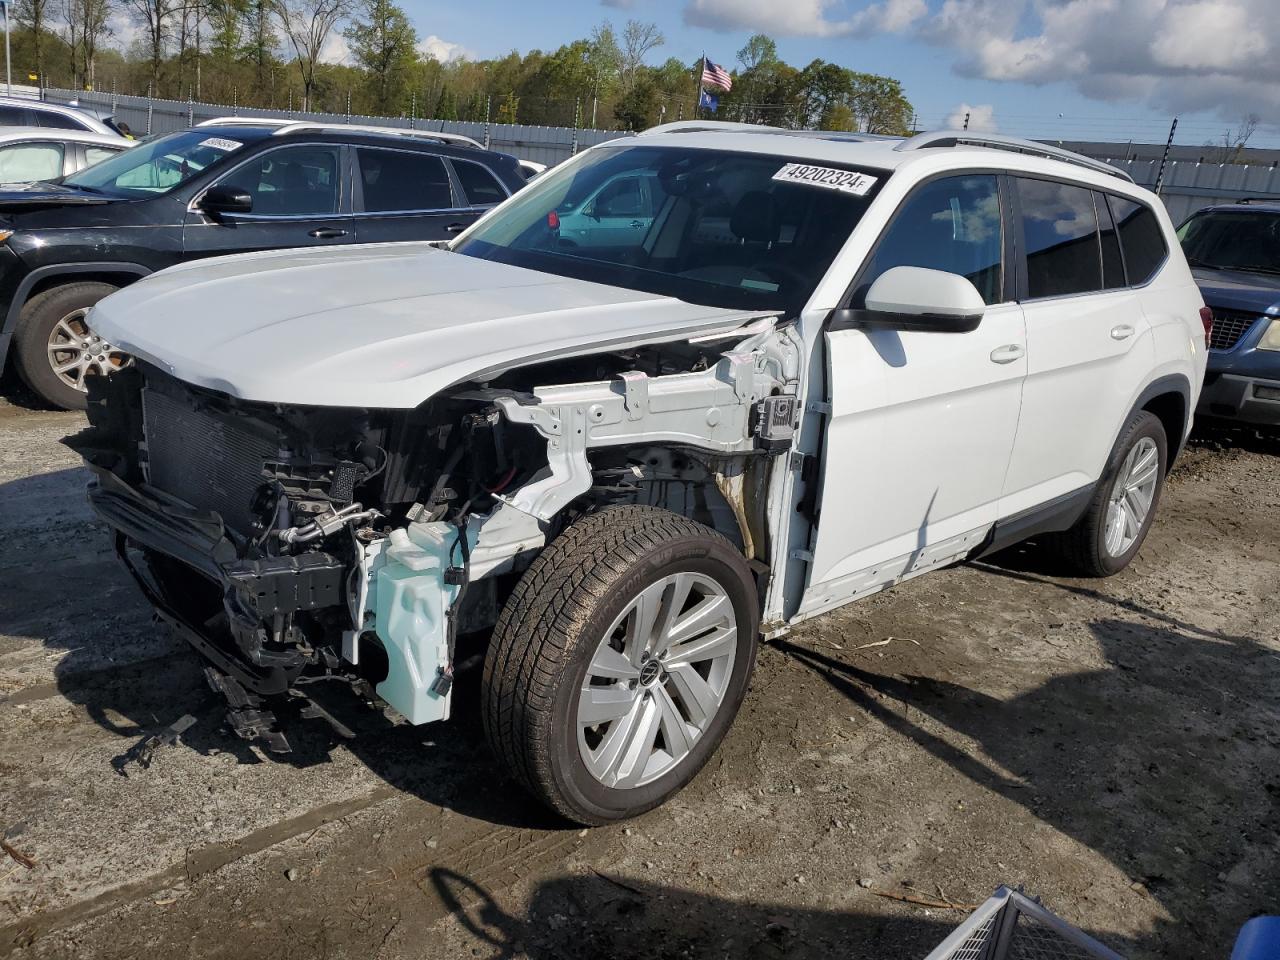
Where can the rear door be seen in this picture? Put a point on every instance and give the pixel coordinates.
(299, 197)
(922, 424)
(407, 195)
(1088, 342)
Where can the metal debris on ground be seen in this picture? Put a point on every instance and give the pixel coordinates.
(143, 752)
(886, 641)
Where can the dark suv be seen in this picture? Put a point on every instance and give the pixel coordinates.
(1234, 252)
(215, 189)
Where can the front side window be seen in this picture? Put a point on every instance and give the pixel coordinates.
(397, 181)
(158, 165)
(29, 162)
(714, 227)
(952, 224)
(297, 181)
(1140, 237)
(1246, 240)
(1060, 228)
(481, 187)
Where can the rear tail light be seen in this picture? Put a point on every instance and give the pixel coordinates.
(1206, 317)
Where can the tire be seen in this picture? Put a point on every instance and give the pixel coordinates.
(587, 591)
(50, 318)
(1090, 548)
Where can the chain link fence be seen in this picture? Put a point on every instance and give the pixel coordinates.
(146, 115)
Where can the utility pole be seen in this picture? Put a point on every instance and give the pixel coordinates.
(1165, 159)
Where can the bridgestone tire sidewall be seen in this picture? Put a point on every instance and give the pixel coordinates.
(714, 559)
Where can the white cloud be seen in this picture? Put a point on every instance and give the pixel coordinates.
(1174, 55)
(982, 118)
(124, 30)
(442, 50)
(801, 18)
(336, 49)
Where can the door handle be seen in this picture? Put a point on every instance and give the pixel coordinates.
(1121, 331)
(327, 233)
(1008, 353)
(456, 227)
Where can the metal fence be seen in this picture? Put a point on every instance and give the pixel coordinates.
(1188, 185)
(144, 115)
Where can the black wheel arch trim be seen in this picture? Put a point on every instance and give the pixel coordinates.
(27, 284)
(1170, 383)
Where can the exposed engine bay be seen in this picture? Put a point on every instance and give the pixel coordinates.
(379, 545)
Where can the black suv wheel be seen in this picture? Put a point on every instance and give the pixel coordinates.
(56, 350)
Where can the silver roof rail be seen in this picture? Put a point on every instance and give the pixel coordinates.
(244, 122)
(994, 141)
(709, 126)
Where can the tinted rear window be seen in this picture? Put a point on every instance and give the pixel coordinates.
(481, 186)
(395, 180)
(1061, 231)
(1141, 238)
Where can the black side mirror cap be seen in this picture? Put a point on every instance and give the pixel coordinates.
(223, 199)
(848, 319)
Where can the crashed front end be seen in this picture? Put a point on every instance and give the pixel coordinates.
(287, 542)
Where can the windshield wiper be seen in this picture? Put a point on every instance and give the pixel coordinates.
(1259, 268)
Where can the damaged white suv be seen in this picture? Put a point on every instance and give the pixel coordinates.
(680, 393)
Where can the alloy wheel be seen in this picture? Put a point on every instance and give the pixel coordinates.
(1131, 497)
(657, 680)
(75, 351)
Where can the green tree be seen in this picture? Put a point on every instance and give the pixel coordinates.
(34, 16)
(383, 43)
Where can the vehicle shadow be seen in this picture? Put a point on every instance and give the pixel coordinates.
(1165, 762)
(596, 915)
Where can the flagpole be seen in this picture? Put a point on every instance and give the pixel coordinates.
(697, 96)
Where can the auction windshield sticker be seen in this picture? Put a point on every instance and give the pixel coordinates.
(828, 178)
(221, 143)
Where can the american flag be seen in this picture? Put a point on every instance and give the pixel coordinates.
(716, 76)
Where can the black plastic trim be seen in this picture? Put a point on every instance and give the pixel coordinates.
(1060, 513)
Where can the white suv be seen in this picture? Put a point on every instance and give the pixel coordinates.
(822, 365)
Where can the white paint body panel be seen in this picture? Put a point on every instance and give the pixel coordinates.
(921, 430)
(380, 325)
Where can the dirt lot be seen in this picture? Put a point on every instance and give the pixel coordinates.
(1113, 746)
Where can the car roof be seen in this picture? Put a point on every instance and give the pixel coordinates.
(929, 152)
(49, 106)
(1247, 205)
(18, 134)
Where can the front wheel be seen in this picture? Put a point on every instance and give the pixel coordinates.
(619, 662)
(56, 350)
(1116, 522)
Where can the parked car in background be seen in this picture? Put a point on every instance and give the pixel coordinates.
(828, 364)
(215, 189)
(34, 154)
(24, 112)
(1234, 252)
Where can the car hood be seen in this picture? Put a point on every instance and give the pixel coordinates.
(1238, 289)
(385, 325)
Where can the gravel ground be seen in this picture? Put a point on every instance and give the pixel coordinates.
(1113, 746)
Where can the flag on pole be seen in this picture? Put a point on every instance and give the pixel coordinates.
(708, 101)
(716, 76)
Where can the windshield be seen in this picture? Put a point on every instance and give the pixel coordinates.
(738, 230)
(156, 166)
(1222, 240)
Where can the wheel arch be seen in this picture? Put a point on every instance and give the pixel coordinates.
(1169, 399)
(46, 278)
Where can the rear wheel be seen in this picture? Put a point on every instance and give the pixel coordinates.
(56, 350)
(619, 662)
(1111, 532)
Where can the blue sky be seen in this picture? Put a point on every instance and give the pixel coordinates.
(1068, 69)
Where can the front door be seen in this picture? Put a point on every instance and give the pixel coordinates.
(298, 201)
(922, 424)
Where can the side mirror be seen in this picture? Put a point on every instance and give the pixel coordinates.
(223, 199)
(917, 298)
